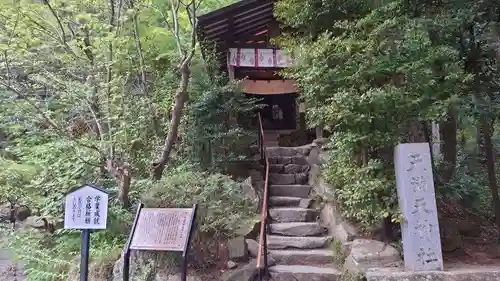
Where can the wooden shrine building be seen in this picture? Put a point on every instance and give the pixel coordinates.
(241, 33)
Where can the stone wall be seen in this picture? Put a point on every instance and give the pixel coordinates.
(340, 229)
(361, 253)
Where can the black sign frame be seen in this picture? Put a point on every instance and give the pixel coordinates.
(127, 249)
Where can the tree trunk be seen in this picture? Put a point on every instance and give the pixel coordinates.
(124, 188)
(497, 30)
(479, 143)
(490, 166)
(180, 99)
(436, 140)
(448, 146)
(122, 175)
(416, 132)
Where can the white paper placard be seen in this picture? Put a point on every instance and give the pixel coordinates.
(86, 208)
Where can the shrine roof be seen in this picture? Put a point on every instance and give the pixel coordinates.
(244, 18)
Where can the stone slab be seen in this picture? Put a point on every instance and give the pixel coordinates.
(342, 231)
(476, 273)
(417, 201)
(288, 169)
(304, 273)
(298, 229)
(285, 160)
(314, 175)
(326, 190)
(302, 257)
(281, 201)
(238, 249)
(253, 247)
(284, 179)
(308, 242)
(288, 151)
(367, 253)
(305, 203)
(293, 190)
(292, 214)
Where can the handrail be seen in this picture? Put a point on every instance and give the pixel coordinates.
(262, 253)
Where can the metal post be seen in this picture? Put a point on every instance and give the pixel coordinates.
(266, 272)
(126, 250)
(192, 226)
(13, 226)
(184, 269)
(126, 265)
(260, 276)
(84, 263)
(266, 226)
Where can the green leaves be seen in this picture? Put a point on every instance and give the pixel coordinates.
(378, 68)
(87, 83)
(365, 194)
(221, 201)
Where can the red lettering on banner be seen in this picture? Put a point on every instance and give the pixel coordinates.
(238, 56)
(256, 52)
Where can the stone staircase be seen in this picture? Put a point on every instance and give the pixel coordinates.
(297, 241)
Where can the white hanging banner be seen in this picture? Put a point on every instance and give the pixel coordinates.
(246, 58)
(251, 57)
(283, 59)
(267, 58)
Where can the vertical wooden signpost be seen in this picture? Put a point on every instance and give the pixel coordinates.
(160, 229)
(86, 209)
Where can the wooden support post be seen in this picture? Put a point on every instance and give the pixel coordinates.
(302, 117)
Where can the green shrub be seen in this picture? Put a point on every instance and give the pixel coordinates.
(469, 185)
(222, 206)
(54, 256)
(364, 193)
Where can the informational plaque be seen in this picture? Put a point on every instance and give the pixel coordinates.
(417, 201)
(162, 229)
(86, 207)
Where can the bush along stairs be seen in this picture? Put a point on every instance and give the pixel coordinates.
(297, 241)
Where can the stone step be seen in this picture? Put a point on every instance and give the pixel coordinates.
(288, 169)
(307, 242)
(288, 151)
(298, 229)
(304, 273)
(290, 190)
(285, 160)
(281, 201)
(292, 214)
(300, 178)
(271, 143)
(303, 257)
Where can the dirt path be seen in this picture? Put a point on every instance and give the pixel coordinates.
(10, 270)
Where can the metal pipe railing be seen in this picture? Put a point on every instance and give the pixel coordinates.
(262, 264)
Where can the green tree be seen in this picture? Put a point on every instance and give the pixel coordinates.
(87, 77)
(94, 92)
(377, 72)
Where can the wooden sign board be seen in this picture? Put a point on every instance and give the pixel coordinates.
(160, 229)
